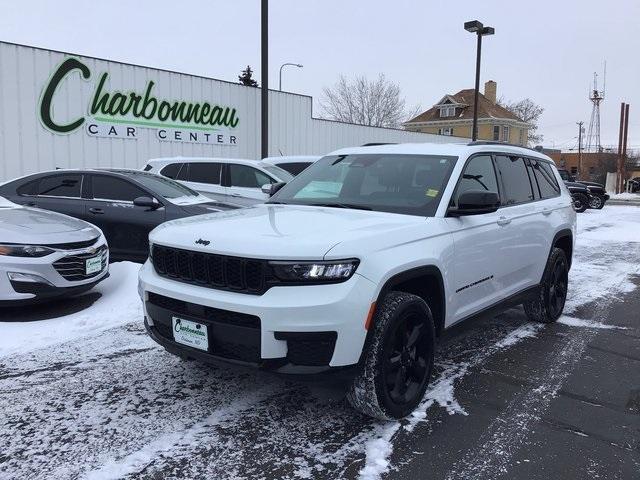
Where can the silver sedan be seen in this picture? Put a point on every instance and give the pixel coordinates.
(45, 254)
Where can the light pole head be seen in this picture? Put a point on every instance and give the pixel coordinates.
(487, 31)
(299, 65)
(474, 26)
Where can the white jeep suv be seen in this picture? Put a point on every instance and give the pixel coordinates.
(356, 266)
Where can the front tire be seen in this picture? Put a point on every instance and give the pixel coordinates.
(580, 202)
(596, 202)
(397, 360)
(549, 302)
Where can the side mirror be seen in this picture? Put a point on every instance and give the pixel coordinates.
(271, 188)
(147, 202)
(475, 202)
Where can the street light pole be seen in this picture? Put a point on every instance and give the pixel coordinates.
(480, 30)
(264, 65)
(284, 65)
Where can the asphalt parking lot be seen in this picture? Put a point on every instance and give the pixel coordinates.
(89, 395)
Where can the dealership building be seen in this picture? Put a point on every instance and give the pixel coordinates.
(60, 110)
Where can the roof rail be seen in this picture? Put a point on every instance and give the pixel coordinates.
(504, 144)
(375, 144)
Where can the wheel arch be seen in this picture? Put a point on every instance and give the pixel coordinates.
(563, 239)
(426, 282)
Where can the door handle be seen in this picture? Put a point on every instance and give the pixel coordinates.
(235, 195)
(546, 211)
(503, 221)
(97, 211)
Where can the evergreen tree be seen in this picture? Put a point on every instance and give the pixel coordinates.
(246, 78)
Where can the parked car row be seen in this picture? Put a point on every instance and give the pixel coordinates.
(350, 270)
(585, 194)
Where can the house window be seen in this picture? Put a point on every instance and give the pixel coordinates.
(448, 111)
(496, 133)
(574, 170)
(521, 137)
(445, 131)
(505, 134)
(592, 170)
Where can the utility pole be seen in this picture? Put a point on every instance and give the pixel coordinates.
(624, 147)
(579, 149)
(264, 93)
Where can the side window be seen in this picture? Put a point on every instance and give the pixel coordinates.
(147, 167)
(515, 180)
(478, 175)
(293, 168)
(111, 188)
(205, 172)
(171, 170)
(30, 188)
(248, 177)
(546, 180)
(60, 186)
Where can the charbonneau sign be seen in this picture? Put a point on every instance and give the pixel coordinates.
(118, 114)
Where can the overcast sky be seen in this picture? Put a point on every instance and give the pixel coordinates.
(545, 50)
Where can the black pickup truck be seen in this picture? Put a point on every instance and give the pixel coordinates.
(595, 195)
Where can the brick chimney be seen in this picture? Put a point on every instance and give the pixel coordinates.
(490, 90)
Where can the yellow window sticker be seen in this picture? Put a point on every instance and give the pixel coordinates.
(432, 192)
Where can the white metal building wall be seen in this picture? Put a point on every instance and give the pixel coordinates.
(26, 146)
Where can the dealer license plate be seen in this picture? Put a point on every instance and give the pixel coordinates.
(190, 333)
(93, 265)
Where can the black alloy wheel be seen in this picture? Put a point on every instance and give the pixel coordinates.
(407, 362)
(557, 287)
(596, 202)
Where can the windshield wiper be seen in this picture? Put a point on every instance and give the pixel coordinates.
(342, 205)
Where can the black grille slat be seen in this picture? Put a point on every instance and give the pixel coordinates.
(211, 270)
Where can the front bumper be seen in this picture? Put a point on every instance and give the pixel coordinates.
(53, 283)
(282, 325)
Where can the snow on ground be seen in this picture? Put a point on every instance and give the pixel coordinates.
(89, 395)
(578, 322)
(118, 304)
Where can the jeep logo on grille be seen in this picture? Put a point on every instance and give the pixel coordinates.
(202, 242)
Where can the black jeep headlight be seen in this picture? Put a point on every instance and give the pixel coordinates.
(25, 250)
(315, 271)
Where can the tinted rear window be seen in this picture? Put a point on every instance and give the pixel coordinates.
(204, 172)
(515, 179)
(60, 185)
(171, 170)
(294, 168)
(546, 179)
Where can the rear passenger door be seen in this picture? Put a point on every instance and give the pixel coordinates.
(125, 225)
(58, 192)
(524, 230)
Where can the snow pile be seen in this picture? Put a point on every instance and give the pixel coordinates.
(119, 304)
(626, 196)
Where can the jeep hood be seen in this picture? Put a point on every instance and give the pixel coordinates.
(284, 231)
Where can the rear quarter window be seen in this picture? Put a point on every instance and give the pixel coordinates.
(171, 170)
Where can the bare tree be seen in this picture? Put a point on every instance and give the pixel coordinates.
(364, 102)
(528, 111)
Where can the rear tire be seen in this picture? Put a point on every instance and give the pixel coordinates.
(549, 302)
(580, 202)
(397, 360)
(596, 202)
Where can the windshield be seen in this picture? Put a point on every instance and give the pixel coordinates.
(164, 187)
(278, 172)
(398, 183)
